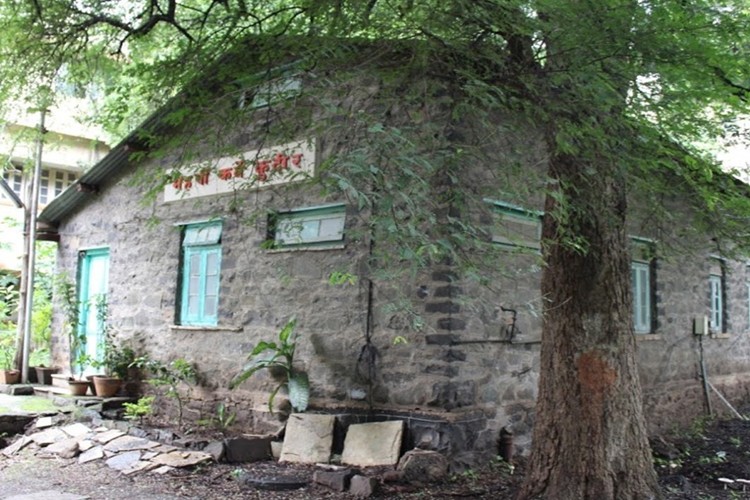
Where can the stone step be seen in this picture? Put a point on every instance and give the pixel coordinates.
(60, 380)
(51, 390)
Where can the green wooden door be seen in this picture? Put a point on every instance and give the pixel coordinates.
(92, 294)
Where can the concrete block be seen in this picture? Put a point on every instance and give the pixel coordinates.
(377, 443)
(308, 438)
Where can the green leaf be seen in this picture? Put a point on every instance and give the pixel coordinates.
(263, 346)
(287, 330)
(299, 391)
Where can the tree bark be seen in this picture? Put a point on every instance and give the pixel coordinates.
(589, 439)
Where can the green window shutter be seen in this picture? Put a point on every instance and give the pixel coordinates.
(201, 274)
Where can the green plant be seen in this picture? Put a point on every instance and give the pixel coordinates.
(171, 375)
(222, 419)
(114, 357)
(281, 358)
(698, 426)
(7, 349)
(342, 278)
(718, 458)
(140, 409)
(65, 290)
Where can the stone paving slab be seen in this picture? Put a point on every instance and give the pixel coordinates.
(308, 438)
(49, 436)
(140, 466)
(95, 453)
(17, 446)
(182, 458)
(107, 435)
(67, 448)
(76, 430)
(130, 443)
(124, 461)
(125, 453)
(371, 444)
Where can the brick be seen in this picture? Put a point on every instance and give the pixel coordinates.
(440, 339)
(335, 480)
(451, 324)
(442, 307)
(448, 291)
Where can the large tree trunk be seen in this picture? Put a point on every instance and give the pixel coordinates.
(589, 438)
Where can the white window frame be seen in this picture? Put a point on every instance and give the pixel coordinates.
(716, 297)
(641, 287)
(309, 226)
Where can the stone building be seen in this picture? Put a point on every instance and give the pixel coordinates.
(204, 252)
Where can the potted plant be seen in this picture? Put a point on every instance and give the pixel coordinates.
(79, 359)
(280, 365)
(116, 361)
(8, 374)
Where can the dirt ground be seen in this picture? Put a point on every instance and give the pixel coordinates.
(689, 465)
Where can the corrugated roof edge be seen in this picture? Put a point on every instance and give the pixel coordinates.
(113, 163)
(117, 159)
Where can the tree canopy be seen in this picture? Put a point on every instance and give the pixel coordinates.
(623, 93)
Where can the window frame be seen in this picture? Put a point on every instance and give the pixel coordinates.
(331, 212)
(267, 88)
(204, 249)
(717, 304)
(518, 215)
(641, 291)
(643, 258)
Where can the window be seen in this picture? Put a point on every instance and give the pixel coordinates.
(640, 273)
(274, 91)
(14, 177)
(44, 187)
(201, 266)
(716, 291)
(515, 226)
(59, 183)
(51, 184)
(317, 226)
(642, 281)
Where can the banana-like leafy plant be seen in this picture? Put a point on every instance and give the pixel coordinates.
(281, 359)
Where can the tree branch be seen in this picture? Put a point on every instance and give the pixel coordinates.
(739, 90)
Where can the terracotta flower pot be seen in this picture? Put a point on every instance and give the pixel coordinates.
(106, 387)
(10, 376)
(78, 387)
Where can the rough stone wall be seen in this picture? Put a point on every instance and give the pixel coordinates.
(461, 366)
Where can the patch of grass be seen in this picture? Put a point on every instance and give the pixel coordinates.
(35, 404)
